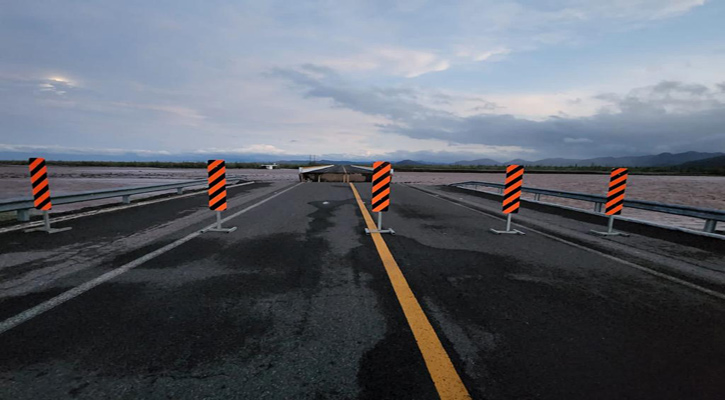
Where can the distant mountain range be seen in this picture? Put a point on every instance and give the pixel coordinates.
(690, 159)
(659, 160)
(321, 162)
(410, 163)
(480, 161)
(713, 162)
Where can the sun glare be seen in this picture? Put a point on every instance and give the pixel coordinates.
(60, 79)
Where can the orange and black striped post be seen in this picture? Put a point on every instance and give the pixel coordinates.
(615, 200)
(615, 196)
(512, 196)
(39, 181)
(41, 193)
(380, 200)
(217, 171)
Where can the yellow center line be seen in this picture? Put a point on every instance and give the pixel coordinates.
(445, 377)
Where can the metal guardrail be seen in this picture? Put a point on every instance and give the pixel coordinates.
(23, 205)
(711, 216)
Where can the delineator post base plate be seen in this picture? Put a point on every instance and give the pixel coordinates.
(47, 230)
(511, 232)
(227, 230)
(390, 231)
(613, 233)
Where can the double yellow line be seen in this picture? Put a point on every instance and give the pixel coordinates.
(447, 381)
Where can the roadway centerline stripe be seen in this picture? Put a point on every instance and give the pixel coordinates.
(141, 202)
(650, 271)
(445, 377)
(48, 305)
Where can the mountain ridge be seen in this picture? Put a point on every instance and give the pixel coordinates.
(656, 160)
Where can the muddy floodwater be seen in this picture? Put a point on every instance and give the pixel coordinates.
(698, 191)
(15, 182)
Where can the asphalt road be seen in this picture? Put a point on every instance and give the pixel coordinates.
(296, 304)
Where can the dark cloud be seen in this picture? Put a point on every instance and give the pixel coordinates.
(486, 107)
(397, 104)
(670, 116)
(665, 98)
(669, 87)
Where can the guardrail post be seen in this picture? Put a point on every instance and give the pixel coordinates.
(710, 225)
(126, 199)
(180, 190)
(711, 216)
(23, 215)
(46, 226)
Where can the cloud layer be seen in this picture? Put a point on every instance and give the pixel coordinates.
(670, 116)
(444, 80)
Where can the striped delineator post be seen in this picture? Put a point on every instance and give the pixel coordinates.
(380, 200)
(218, 192)
(615, 200)
(512, 197)
(41, 193)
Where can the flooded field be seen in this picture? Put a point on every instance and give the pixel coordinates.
(706, 192)
(696, 191)
(15, 183)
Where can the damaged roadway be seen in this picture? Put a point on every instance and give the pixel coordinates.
(295, 304)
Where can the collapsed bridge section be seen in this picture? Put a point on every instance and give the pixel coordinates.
(336, 173)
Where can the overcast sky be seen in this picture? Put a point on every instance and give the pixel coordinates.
(433, 80)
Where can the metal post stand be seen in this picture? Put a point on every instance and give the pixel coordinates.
(218, 227)
(508, 228)
(610, 229)
(380, 227)
(46, 226)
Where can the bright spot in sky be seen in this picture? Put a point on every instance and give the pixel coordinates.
(60, 79)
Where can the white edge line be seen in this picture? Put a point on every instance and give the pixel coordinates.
(111, 209)
(250, 207)
(48, 305)
(671, 278)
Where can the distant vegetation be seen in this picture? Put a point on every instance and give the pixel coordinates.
(688, 163)
(710, 166)
(714, 162)
(146, 164)
(673, 170)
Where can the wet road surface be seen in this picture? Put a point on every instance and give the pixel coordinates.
(298, 304)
